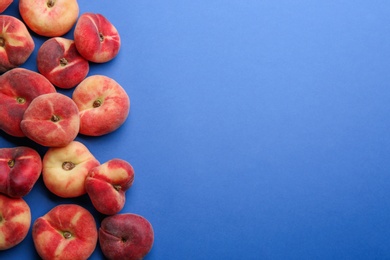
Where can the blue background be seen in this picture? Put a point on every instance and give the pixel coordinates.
(258, 129)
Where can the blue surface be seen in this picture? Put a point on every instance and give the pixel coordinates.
(258, 129)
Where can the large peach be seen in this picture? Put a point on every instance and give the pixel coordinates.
(15, 221)
(20, 168)
(65, 169)
(107, 184)
(51, 120)
(67, 231)
(126, 236)
(96, 38)
(59, 61)
(4, 4)
(49, 18)
(18, 87)
(103, 104)
(16, 43)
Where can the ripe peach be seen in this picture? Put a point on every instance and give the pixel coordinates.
(96, 38)
(18, 87)
(15, 221)
(65, 169)
(49, 18)
(51, 120)
(4, 5)
(59, 61)
(20, 168)
(103, 104)
(126, 236)
(107, 184)
(67, 231)
(16, 43)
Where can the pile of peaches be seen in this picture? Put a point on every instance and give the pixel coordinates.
(31, 107)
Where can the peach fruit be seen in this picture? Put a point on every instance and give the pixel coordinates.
(126, 236)
(51, 120)
(68, 231)
(20, 168)
(18, 87)
(15, 221)
(65, 169)
(16, 43)
(107, 184)
(103, 104)
(96, 38)
(49, 18)
(4, 4)
(59, 61)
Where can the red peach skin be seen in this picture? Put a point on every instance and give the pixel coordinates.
(18, 87)
(49, 18)
(107, 183)
(96, 38)
(67, 231)
(126, 237)
(16, 43)
(4, 4)
(15, 221)
(59, 61)
(51, 120)
(20, 168)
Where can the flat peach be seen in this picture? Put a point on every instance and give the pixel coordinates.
(49, 18)
(67, 231)
(126, 236)
(20, 168)
(96, 38)
(107, 184)
(103, 104)
(59, 61)
(16, 43)
(51, 120)
(66, 168)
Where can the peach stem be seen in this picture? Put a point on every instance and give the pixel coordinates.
(11, 163)
(67, 166)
